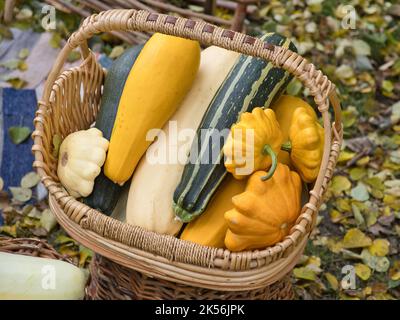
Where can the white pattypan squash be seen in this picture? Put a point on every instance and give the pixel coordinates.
(81, 156)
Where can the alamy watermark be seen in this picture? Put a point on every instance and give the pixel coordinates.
(347, 13)
(203, 147)
(348, 281)
(49, 21)
(349, 16)
(48, 277)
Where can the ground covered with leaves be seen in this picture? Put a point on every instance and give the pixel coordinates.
(359, 227)
(354, 250)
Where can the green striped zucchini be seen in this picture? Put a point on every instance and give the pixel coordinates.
(252, 82)
(106, 193)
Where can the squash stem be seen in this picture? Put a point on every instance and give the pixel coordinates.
(267, 150)
(287, 146)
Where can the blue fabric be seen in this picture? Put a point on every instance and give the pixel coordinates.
(105, 61)
(17, 109)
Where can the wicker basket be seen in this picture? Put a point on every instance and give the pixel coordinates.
(70, 102)
(30, 247)
(134, 285)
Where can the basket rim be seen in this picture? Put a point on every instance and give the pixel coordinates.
(163, 268)
(87, 219)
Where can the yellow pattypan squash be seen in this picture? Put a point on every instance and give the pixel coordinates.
(305, 145)
(253, 143)
(303, 136)
(265, 212)
(284, 108)
(81, 157)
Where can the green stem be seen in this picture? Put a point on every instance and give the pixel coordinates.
(267, 150)
(287, 146)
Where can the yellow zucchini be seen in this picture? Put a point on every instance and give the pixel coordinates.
(156, 85)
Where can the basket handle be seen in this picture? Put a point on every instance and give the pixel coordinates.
(205, 33)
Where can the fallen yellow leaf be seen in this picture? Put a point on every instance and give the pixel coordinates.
(343, 296)
(394, 271)
(355, 238)
(345, 156)
(334, 246)
(10, 230)
(395, 276)
(362, 271)
(333, 282)
(367, 291)
(304, 273)
(336, 216)
(313, 260)
(363, 161)
(343, 205)
(379, 248)
(340, 184)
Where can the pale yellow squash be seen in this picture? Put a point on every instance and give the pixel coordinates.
(159, 80)
(153, 182)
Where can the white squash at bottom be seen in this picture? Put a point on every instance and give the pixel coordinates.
(33, 278)
(153, 184)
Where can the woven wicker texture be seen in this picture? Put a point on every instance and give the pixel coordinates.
(133, 285)
(30, 247)
(64, 109)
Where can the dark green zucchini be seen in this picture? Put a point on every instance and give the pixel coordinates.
(105, 193)
(252, 82)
